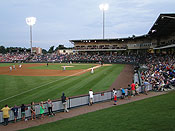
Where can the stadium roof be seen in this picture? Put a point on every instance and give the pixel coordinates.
(163, 26)
(109, 39)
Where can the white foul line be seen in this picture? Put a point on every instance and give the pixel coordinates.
(42, 85)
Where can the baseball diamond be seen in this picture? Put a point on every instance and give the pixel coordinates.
(42, 84)
(58, 72)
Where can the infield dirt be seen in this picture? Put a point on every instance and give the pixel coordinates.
(25, 71)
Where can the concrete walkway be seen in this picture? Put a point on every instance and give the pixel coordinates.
(74, 112)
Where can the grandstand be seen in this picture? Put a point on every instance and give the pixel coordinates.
(159, 39)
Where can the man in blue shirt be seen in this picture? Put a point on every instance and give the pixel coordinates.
(123, 93)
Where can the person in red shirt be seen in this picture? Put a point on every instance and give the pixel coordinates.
(133, 89)
(115, 99)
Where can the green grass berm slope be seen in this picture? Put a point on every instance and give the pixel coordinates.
(152, 114)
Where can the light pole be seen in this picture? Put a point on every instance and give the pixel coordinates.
(30, 21)
(103, 8)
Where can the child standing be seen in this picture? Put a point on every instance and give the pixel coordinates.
(115, 99)
(42, 110)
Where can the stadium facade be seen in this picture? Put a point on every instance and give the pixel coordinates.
(159, 39)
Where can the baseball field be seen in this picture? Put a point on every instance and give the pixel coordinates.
(39, 82)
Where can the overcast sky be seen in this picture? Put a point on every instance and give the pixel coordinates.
(59, 21)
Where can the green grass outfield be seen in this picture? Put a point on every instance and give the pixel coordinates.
(41, 88)
(152, 114)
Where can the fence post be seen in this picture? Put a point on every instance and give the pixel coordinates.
(69, 103)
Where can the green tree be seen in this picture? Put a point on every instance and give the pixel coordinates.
(44, 51)
(51, 50)
(2, 50)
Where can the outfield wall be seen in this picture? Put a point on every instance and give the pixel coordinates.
(73, 102)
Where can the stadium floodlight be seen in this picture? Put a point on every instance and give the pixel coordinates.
(30, 21)
(103, 8)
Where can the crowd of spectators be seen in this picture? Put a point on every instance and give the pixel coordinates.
(112, 58)
(11, 57)
(160, 73)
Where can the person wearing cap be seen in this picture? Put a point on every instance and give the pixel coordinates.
(63, 99)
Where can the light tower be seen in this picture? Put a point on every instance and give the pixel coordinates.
(103, 8)
(30, 21)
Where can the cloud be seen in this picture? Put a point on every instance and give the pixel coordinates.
(59, 21)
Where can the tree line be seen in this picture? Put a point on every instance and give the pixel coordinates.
(52, 49)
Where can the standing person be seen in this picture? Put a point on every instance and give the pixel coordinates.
(20, 66)
(133, 89)
(92, 70)
(123, 93)
(64, 68)
(50, 105)
(146, 87)
(10, 68)
(32, 109)
(142, 87)
(114, 92)
(137, 88)
(15, 111)
(6, 115)
(63, 99)
(115, 99)
(14, 67)
(129, 91)
(42, 109)
(23, 109)
(90, 97)
(47, 64)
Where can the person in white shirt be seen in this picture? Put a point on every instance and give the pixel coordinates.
(10, 68)
(20, 66)
(90, 97)
(114, 92)
(14, 67)
(92, 70)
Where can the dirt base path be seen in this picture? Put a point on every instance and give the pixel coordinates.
(25, 71)
(74, 112)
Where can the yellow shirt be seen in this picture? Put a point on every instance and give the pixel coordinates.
(5, 111)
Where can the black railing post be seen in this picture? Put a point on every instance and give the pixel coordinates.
(69, 103)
